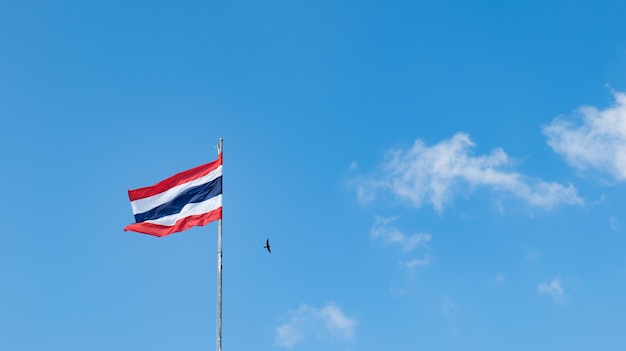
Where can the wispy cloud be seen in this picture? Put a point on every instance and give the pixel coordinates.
(532, 255)
(447, 306)
(354, 166)
(416, 262)
(593, 139)
(326, 322)
(614, 223)
(554, 289)
(499, 279)
(433, 174)
(389, 234)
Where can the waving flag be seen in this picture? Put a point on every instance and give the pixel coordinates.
(187, 199)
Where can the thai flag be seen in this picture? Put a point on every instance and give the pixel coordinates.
(187, 199)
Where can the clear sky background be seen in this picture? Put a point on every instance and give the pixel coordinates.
(443, 175)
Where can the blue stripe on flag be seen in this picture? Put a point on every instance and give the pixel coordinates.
(192, 195)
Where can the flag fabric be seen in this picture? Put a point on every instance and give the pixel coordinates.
(187, 199)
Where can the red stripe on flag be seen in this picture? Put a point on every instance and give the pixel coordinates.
(179, 226)
(177, 179)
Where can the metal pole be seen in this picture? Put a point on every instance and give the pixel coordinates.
(219, 269)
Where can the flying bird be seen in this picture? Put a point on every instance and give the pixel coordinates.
(267, 245)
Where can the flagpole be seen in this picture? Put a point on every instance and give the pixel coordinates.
(219, 268)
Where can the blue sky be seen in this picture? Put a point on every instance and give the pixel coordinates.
(432, 176)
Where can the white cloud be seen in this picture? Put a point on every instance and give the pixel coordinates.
(499, 279)
(416, 262)
(325, 322)
(532, 255)
(432, 174)
(593, 139)
(382, 230)
(291, 333)
(447, 306)
(614, 223)
(554, 289)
